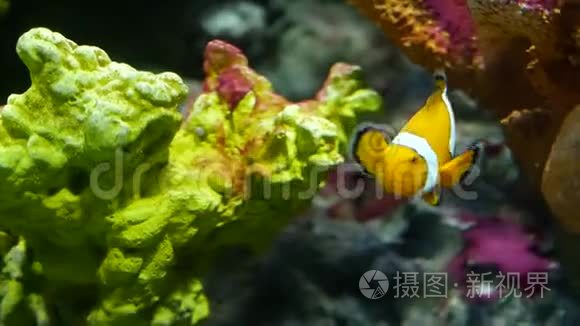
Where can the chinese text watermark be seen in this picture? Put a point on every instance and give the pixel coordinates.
(375, 284)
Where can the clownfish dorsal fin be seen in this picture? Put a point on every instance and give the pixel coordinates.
(440, 89)
(439, 99)
(440, 79)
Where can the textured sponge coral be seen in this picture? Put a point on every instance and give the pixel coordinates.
(485, 42)
(439, 32)
(123, 206)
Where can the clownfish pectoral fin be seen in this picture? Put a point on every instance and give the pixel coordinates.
(454, 171)
(434, 197)
(368, 145)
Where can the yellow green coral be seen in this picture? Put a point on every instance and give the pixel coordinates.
(4, 6)
(18, 304)
(124, 205)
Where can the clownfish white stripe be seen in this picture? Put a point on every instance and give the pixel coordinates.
(422, 147)
(451, 122)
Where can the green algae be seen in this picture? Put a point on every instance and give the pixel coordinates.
(4, 7)
(124, 205)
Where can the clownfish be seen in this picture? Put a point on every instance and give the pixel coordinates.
(420, 160)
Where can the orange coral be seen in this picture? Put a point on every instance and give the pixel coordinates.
(413, 24)
(510, 54)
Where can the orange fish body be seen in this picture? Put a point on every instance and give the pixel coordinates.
(420, 159)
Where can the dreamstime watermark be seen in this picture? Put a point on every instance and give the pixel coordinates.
(374, 284)
(118, 176)
(252, 181)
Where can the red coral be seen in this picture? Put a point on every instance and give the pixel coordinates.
(233, 86)
(229, 77)
(224, 66)
(229, 74)
(220, 55)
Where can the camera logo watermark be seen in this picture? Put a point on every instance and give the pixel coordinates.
(373, 284)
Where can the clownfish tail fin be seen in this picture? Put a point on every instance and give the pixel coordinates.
(440, 78)
(368, 144)
(460, 167)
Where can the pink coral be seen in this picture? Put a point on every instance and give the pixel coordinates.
(441, 30)
(232, 86)
(505, 246)
(224, 65)
(229, 74)
(454, 19)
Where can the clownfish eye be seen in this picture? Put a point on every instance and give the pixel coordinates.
(414, 159)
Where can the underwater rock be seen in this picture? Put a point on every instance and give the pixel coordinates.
(235, 21)
(561, 179)
(124, 205)
(561, 188)
(310, 276)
